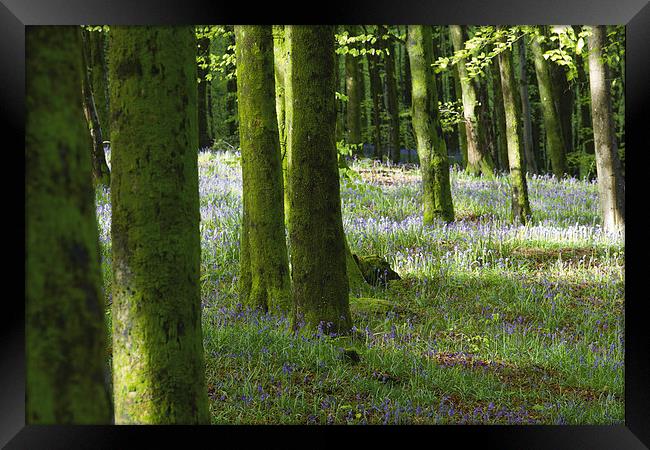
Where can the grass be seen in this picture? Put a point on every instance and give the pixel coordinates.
(491, 323)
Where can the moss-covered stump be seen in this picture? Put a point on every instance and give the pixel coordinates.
(375, 270)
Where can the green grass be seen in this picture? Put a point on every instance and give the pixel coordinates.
(491, 323)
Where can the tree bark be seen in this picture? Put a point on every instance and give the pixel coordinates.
(158, 366)
(101, 173)
(500, 122)
(611, 186)
(318, 256)
(432, 151)
(99, 79)
(520, 205)
(203, 48)
(264, 262)
(479, 160)
(391, 98)
(67, 377)
(375, 95)
(530, 163)
(554, 137)
(354, 93)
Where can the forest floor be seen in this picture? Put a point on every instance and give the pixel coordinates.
(490, 323)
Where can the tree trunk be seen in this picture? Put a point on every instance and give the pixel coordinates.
(318, 256)
(499, 112)
(281, 62)
(67, 377)
(375, 94)
(264, 262)
(231, 96)
(554, 137)
(203, 48)
(462, 132)
(353, 89)
(391, 98)
(529, 152)
(101, 174)
(432, 151)
(611, 186)
(520, 205)
(158, 366)
(479, 160)
(99, 79)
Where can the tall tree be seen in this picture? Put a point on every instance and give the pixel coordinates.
(231, 92)
(67, 372)
(393, 149)
(374, 68)
(551, 114)
(158, 366)
(432, 151)
(462, 132)
(500, 122)
(99, 78)
(101, 173)
(281, 64)
(520, 204)
(354, 94)
(203, 48)
(529, 154)
(318, 256)
(611, 186)
(264, 262)
(478, 156)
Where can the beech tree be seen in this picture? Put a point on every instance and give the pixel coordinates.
(158, 366)
(432, 151)
(318, 254)
(551, 115)
(264, 264)
(479, 159)
(520, 205)
(611, 187)
(67, 378)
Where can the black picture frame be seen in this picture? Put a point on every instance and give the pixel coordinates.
(635, 14)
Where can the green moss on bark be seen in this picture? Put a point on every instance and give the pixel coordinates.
(432, 151)
(479, 160)
(67, 379)
(551, 115)
(158, 367)
(520, 205)
(265, 279)
(320, 282)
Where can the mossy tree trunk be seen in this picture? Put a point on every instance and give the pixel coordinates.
(392, 108)
(101, 174)
(462, 132)
(99, 79)
(375, 95)
(479, 160)
(499, 112)
(264, 263)
(203, 48)
(158, 366)
(318, 253)
(611, 186)
(530, 162)
(67, 378)
(520, 205)
(551, 115)
(354, 94)
(231, 95)
(432, 151)
(281, 64)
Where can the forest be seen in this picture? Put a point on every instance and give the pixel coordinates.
(301, 224)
